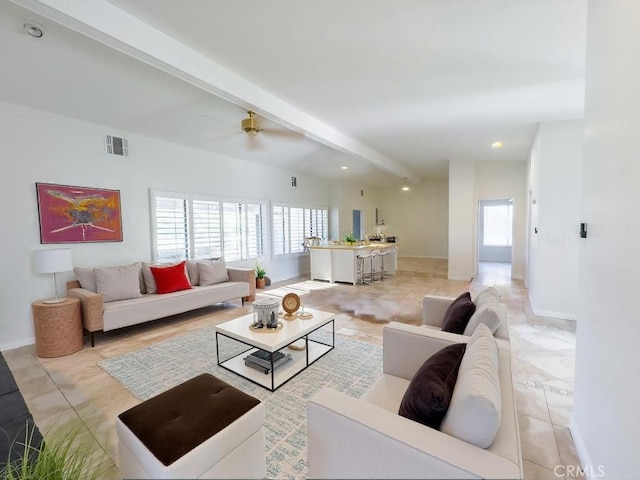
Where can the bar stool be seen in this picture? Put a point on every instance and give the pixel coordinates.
(373, 253)
(383, 253)
(361, 259)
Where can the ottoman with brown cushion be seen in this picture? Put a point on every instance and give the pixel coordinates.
(202, 428)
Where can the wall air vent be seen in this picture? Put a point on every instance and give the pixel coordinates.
(116, 145)
(294, 181)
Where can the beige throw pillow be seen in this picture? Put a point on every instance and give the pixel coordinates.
(192, 271)
(86, 277)
(487, 296)
(149, 281)
(118, 283)
(476, 404)
(212, 272)
(488, 314)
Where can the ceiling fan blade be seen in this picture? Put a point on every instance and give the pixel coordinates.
(283, 133)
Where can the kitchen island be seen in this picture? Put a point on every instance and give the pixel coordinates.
(337, 262)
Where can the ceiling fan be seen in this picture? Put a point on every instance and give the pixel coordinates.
(254, 130)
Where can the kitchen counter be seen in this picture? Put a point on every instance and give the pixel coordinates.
(337, 262)
(340, 246)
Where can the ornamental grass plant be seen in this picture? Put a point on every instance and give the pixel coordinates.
(67, 453)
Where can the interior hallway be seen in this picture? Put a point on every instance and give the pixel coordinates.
(75, 388)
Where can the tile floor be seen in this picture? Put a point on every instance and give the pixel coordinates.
(75, 389)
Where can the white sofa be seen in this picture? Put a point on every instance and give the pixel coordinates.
(366, 438)
(101, 315)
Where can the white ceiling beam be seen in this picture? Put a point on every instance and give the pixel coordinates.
(104, 22)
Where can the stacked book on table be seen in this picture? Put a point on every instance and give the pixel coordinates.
(261, 360)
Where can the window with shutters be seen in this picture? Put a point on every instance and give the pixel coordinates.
(196, 227)
(292, 225)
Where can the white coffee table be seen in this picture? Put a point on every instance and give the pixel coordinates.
(239, 329)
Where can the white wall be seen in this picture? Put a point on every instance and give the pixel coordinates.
(419, 217)
(555, 183)
(345, 198)
(462, 212)
(40, 147)
(505, 180)
(605, 421)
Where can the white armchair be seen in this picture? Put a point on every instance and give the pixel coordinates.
(366, 438)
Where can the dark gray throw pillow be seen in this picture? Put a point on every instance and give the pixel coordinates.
(458, 314)
(427, 398)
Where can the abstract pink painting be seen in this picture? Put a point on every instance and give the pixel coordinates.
(78, 214)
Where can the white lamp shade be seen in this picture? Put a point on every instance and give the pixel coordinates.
(52, 261)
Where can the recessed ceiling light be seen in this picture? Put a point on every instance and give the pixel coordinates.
(496, 145)
(405, 187)
(344, 167)
(33, 29)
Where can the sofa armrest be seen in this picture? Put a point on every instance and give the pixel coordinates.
(350, 438)
(406, 347)
(434, 308)
(244, 275)
(92, 305)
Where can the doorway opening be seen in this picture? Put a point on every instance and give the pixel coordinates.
(357, 224)
(495, 238)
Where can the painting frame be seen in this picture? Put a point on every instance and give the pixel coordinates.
(72, 214)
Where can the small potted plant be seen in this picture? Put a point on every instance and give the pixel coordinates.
(350, 239)
(261, 275)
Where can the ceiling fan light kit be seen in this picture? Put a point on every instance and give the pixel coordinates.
(249, 126)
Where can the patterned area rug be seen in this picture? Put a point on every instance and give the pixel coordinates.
(351, 368)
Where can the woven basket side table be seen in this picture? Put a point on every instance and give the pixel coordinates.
(58, 328)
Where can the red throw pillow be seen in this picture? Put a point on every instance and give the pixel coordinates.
(171, 279)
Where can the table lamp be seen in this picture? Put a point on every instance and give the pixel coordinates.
(53, 261)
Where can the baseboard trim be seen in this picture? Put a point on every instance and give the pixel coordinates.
(581, 449)
(552, 314)
(17, 344)
(423, 256)
(462, 279)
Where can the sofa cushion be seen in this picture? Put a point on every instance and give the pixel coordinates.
(458, 314)
(171, 279)
(476, 406)
(487, 296)
(427, 398)
(87, 278)
(212, 272)
(488, 314)
(192, 271)
(118, 283)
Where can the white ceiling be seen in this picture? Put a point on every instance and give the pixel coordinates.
(390, 88)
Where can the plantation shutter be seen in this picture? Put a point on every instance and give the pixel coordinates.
(232, 220)
(280, 230)
(172, 229)
(255, 231)
(296, 222)
(207, 234)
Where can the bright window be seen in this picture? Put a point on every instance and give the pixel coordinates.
(195, 227)
(292, 225)
(497, 225)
